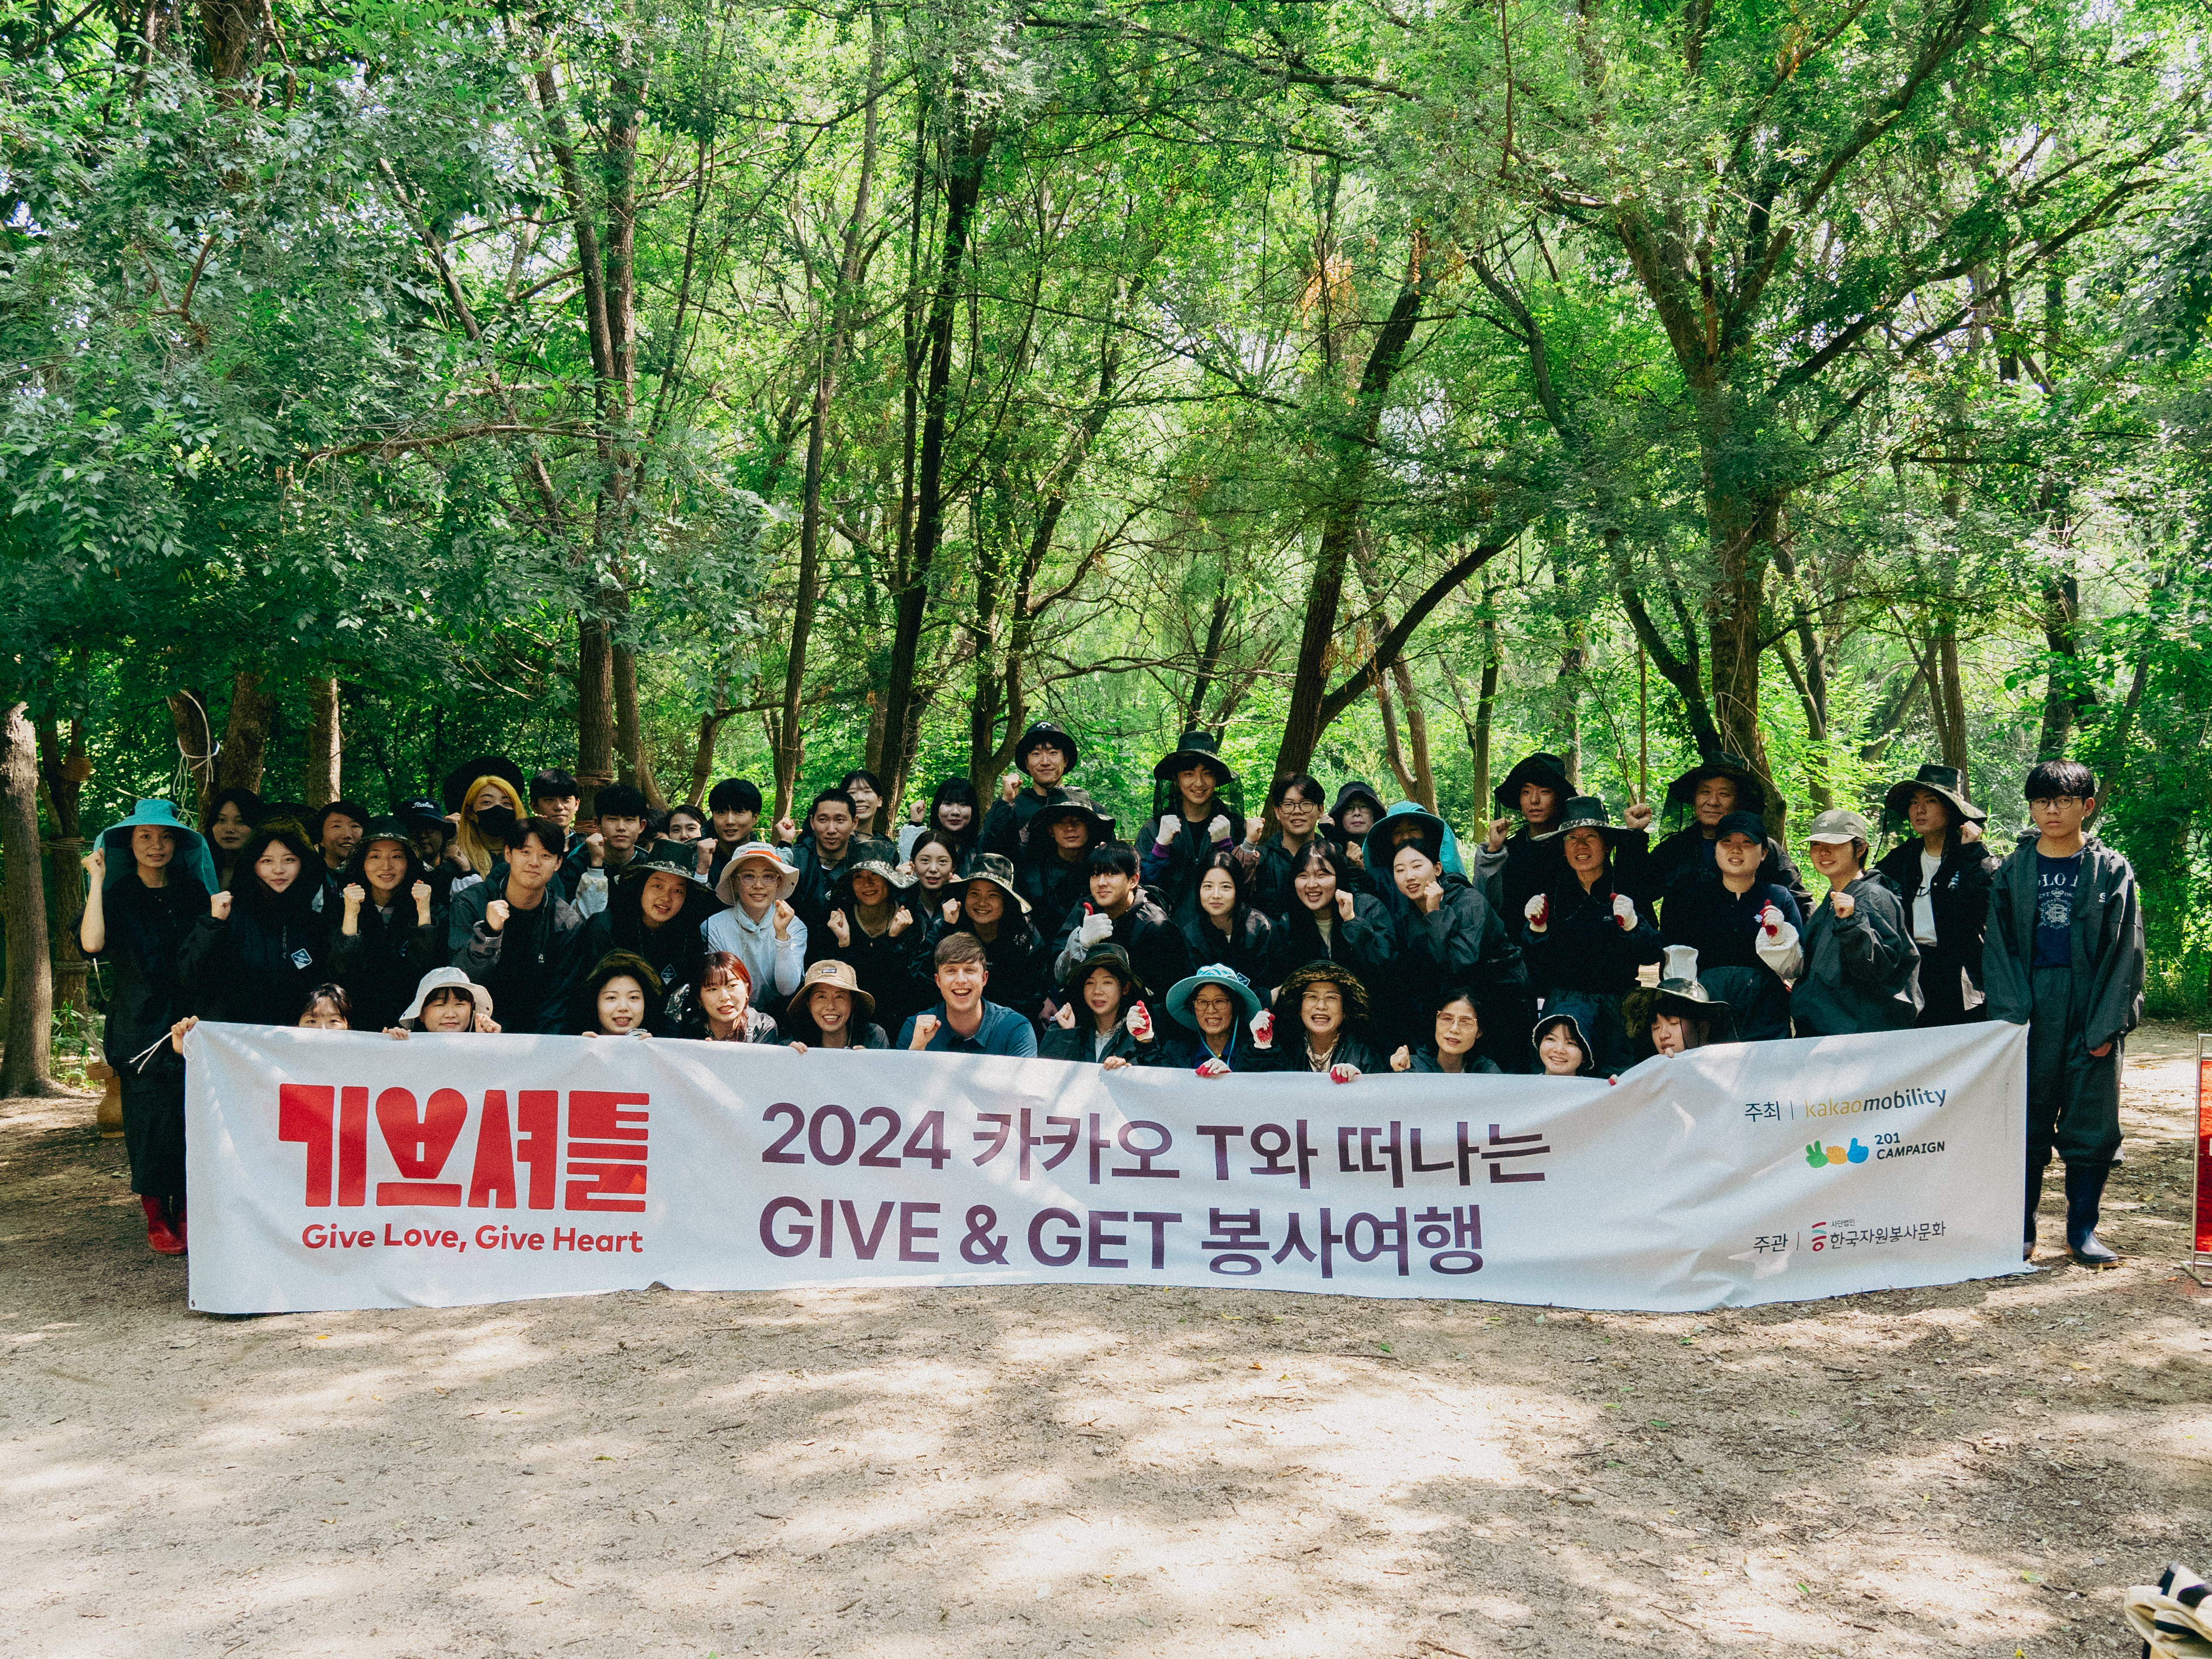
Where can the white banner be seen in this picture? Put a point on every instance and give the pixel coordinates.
(330, 1170)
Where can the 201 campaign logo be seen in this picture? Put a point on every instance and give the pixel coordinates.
(1821, 1157)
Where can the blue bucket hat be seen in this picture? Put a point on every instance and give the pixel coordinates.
(192, 855)
(1214, 973)
(1436, 839)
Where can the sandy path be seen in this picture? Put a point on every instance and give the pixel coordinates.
(950, 1473)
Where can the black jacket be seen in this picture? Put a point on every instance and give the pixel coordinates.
(380, 965)
(1723, 928)
(1367, 944)
(1353, 1048)
(1173, 875)
(146, 989)
(1951, 966)
(1051, 884)
(1679, 860)
(530, 967)
(884, 964)
(1424, 1062)
(1249, 947)
(1583, 946)
(1076, 1043)
(257, 968)
(1006, 828)
(1156, 949)
(675, 949)
(1861, 972)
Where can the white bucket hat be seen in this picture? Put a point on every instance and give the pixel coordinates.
(440, 979)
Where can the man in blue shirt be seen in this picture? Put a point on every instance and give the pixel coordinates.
(2063, 955)
(962, 1023)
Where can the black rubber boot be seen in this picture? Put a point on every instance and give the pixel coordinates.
(2034, 1199)
(2085, 1191)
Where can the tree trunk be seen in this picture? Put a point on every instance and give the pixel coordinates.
(246, 731)
(26, 1065)
(318, 774)
(1209, 656)
(963, 187)
(195, 747)
(595, 706)
(1417, 735)
(2067, 693)
(64, 775)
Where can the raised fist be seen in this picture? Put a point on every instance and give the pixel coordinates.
(596, 845)
(495, 915)
(1263, 1028)
(783, 914)
(1255, 831)
(355, 896)
(1770, 920)
(901, 919)
(840, 929)
(924, 1027)
(1066, 1018)
(952, 912)
(1344, 903)
(95, 865)
(1403, 1060)
(1638, 817)
(1430, 897)
(785, 830)
(1538, 910)
(1357, 852)
(1169, 824)
(1844, 904)
(1217, 828)
(1140, 1022)
(487, 1026)
(1623, 912)
(219, 906)
(1010, 785)
(1496, 836)
(419, 892)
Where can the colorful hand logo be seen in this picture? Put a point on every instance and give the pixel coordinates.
(1821, 1157)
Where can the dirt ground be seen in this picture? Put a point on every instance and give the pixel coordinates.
(1973, 1470)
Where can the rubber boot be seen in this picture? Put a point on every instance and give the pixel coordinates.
(159, 1233)
(177, 1221)
(2085, 1191)
(2034, 1199)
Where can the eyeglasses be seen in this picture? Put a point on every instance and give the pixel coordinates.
(2059, 801)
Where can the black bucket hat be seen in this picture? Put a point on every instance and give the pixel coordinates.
(389, 827)
(1351, 792)
(657, 863)
(1105, 954)
(1045, 734)
(1589, 1067)
(1546, 771)
(1947, 781)
(874, 856)
(997, 869)
(1678, 993)
(1042, 820)
(1195, 748)
(1750, 791)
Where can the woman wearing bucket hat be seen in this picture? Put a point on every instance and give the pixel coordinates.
(447, 1001)
(1101, 1020)
(1447, 934)
(1699, 800)
(148, 877)
(1678, 1013)
(1015, 955)
(1856, 968)
(1724, 915)
(252, 956)
(1456, 1043)
(830, 1010)
(1219, 923)
(1944, 871)
(1585, 937)
(1047, 753)
(1560, 1049)
(873, 926)
(1194, 809)
(1329, 1006)
(658, 908)
(1233, 1032)
(760, 927)
(390, 934)
(1054, 872)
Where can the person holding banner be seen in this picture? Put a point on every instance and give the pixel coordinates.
(1113, 1028)
(830, 1010)
(1219, 1003)
(620, 997)
(148, 880)
(1678, 1013)
(447, 1002)
(719, 1008)
(2063, 956)
(1945, 868)
(1856, 968)
(1560, 1047)
(1329, 1002)
(657, 907)
(1456, 1045)
(962, 1023)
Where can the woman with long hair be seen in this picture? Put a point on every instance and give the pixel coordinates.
(253, 957)
(1332, 918)
(228, 823)
(489, 809)
(1219, 920)
(955, 811)
(389, 934)
(1103, 1020)
(867, 801)
(933, 861)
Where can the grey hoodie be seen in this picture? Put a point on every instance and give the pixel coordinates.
(1861, 973)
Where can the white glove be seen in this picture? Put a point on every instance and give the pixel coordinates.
(1095, 927)
(1776, 944)
(1218, 828)
(1623, 912)
(1538, 911)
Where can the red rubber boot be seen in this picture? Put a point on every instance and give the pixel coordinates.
(177, 1221)
(159, 1233)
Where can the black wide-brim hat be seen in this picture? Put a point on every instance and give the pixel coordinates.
(1947, 782)
(455, 789)
(1750, 790)
(662, 864)
(874, 857)
(1042, 820)
(1045, 734)
(1546, 771)
(1195, 748)
(1678, 993)
(1587, 812)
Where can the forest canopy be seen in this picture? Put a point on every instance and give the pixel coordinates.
(670, 390)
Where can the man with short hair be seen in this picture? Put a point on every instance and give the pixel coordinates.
(599, 857)
(1856, 968)
(1047, 753)
(555, 794)
(1119, 913)
(2063, 955)
(961, 1021)
(734, 810)
(516, 936)
(822, 853)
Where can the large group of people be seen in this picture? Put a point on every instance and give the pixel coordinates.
(1338, 936)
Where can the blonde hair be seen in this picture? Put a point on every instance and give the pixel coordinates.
(482, 855)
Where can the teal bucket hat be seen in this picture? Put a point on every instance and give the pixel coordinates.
(1436, 838)
(191, 856)
(1214, 973)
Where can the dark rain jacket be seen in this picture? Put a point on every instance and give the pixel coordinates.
(1354, 1047)
(885, 963)
(1077, 1044)
(1422, 1062)
(1172, 875)
(1678, 861)
(1951, 968)
(530, 966)
(675, 950)
(1861, 973)
(1249, 946)
(1158, 952)
(145, 987)
(380, 965)
(1722, 928)
(1462, 942)
(257, 968)
(2107, 939)
(1006, 827)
